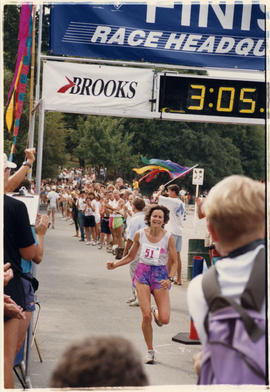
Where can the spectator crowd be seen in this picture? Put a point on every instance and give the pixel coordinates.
(100, 211)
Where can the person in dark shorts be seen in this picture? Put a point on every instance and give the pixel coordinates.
(89, 220)
(105, 231)
(18, 242)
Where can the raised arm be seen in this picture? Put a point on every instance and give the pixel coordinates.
(15, 180)
(160, 190)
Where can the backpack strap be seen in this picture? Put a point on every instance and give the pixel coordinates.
(210, 286)
(251, 298)
(254, 293)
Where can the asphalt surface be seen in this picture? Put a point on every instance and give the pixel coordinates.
(79, 297)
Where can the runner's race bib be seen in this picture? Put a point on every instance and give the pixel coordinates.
(150, 254)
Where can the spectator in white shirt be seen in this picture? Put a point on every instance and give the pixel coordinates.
(52, 197)
(175, 224)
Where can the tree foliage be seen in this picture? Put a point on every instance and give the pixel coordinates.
(10, 42)
(54, 151)
(105, 142)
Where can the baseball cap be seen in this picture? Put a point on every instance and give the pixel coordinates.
(8, 164)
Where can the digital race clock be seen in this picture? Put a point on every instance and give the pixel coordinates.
(242, 101)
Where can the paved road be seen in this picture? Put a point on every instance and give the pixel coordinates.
(80, 297)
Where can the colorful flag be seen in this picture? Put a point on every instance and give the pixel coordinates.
(173, 167)
(156, 166)
(18, 88)
(25, 18)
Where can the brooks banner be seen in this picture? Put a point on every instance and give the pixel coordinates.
(95, 89)
(200, 35)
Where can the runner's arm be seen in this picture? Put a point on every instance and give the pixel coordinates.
(172, 259)
(171, 263)
(127, 247)
(131, 254)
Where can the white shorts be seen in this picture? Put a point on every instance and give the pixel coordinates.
(97, 218)
(178, 242)
(49, 208)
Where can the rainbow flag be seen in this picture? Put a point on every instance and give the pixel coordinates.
(156, 166)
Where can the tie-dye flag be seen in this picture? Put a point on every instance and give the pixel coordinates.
(18, 88)
(25, 18)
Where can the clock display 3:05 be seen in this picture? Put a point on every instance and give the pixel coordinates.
(193, 95)
(225, 99)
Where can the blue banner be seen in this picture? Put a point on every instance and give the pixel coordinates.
(205, 35)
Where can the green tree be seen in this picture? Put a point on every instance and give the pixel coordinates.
(54, 152)
(103, 142)
(11, 28)
(251, 141)
(186, 144)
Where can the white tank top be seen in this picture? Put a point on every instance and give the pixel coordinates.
(153, 253)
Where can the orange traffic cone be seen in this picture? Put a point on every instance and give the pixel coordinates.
(192, 331)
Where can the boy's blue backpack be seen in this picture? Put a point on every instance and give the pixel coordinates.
(235, 350)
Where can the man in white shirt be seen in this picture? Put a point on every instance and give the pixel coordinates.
(136, 223)
(81, 204)
(52, 197)
(175, 224)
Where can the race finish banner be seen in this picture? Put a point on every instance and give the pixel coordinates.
(200, 35)
(96, 89)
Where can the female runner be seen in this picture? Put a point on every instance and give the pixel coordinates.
(153, 275)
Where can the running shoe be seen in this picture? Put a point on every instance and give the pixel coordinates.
(99, 246)
(150, 357)
(94, 243)
(134, 303)
(88, 243)
(155, 313)
(130, 300)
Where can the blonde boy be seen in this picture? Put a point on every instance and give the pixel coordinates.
(235, 212)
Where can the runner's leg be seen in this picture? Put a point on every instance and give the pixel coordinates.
(179, 268)
(162, 300)
(144, 298)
